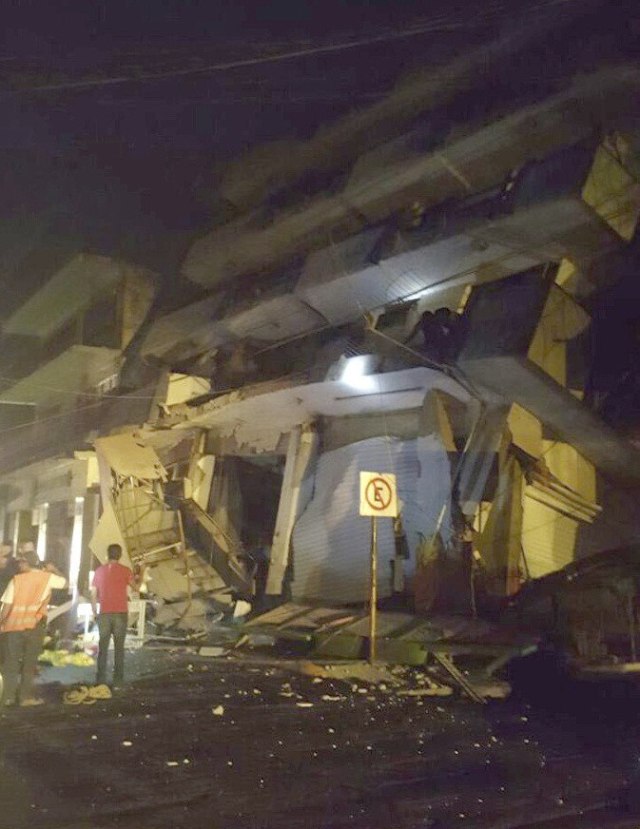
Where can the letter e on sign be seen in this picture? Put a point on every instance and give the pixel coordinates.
(378, 494)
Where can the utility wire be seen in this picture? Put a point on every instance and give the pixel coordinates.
(89, 83)
(432, 27)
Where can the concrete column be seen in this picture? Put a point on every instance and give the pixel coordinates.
(200, 475)
(89, 524)
(301, 452)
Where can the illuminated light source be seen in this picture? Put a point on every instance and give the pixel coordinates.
(76, 544)
(356, 373)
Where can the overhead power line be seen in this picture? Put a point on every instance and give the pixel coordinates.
(88, 83)
(435, 25)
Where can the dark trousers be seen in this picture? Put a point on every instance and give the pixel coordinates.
(21, 651)
(111, 624)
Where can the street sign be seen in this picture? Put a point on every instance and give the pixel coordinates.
(378, 496)
(378, 499)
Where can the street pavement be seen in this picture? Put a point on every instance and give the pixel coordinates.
(240, 742)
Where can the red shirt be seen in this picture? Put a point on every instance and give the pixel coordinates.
(111, 581)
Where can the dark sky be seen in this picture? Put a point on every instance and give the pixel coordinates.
(222, 111)
(129, 168)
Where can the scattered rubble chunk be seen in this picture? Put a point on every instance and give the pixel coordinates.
(212, 651)
(257, 640)
(241, 609)
(431, 691)
(492, 688)
(218, 711)
(350, 671)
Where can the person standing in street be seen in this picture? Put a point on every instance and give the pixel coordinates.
(110, 588)
(8, 566)
(23, 621)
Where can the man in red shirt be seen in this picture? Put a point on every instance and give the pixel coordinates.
(110, 588)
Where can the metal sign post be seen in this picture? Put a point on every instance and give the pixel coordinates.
(373, 591)
(378, 499)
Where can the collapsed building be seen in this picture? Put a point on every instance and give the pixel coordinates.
(424, 312)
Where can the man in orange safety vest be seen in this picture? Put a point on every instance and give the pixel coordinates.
(23, 620)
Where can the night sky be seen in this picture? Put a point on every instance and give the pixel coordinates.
(130, 168)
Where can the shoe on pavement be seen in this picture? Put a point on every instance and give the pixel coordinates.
(99, 692)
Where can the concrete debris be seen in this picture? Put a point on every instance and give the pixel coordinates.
(194, 623)
(212, 651)
(363, 671)
(430, 691)
(401, 680)
(218, 711)
(241, 609)
(170, 613)
(492, 688)
(258, 640)
(192, 616)
(304, 704)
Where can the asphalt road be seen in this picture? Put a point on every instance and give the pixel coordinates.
(288, 751)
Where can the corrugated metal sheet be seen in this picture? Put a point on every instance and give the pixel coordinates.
(331, 540)
(548, 538)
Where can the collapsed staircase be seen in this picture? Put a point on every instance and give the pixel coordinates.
(188, 557)
(214, 548)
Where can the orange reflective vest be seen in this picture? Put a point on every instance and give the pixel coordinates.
(28, 606)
